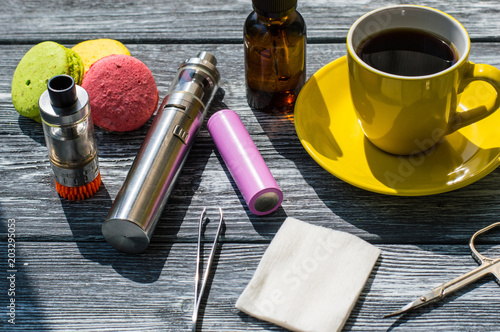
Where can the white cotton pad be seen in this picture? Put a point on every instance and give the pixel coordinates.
(309, 278)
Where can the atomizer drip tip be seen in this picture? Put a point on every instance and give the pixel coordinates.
(62, 91)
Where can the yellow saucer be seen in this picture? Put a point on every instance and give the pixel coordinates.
(329, 131)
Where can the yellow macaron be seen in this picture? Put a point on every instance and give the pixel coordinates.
(92, 50)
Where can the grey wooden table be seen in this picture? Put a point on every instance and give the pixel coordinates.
(69, 278)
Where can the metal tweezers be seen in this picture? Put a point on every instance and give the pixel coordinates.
(198, 292)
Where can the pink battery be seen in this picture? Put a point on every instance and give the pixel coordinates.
(246, 165)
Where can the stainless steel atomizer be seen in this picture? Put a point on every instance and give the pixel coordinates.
(70, 138)
(135, 212)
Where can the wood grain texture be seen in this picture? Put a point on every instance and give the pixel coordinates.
(69, 278)
(310, 192)
(88, 287)
(198, 21)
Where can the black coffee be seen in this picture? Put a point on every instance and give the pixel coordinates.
(407, 52)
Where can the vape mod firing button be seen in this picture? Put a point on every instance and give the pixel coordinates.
(180, 133)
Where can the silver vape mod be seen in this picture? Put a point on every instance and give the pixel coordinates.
(135, 212)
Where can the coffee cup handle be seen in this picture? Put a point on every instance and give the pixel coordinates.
(476, 72)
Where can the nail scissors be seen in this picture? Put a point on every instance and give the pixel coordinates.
(487, 266)
(198, 293)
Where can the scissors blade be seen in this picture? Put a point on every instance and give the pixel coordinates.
(449, 287)
(487, 266)
(432, 296)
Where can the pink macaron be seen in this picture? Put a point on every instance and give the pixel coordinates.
(122, 92)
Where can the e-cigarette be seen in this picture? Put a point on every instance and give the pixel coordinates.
(137, 207)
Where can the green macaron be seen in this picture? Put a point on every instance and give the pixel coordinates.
(42, 62)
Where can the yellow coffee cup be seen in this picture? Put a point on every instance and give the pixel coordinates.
(408, 69)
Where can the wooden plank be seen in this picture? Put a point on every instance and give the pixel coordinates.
(89, 287)
(28, 193)
(199, 21)
(68, 278)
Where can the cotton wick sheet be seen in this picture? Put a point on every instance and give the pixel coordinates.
(309, 278)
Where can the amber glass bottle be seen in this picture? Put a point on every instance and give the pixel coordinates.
(275, 54)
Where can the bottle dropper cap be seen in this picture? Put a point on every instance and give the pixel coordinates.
(245, 163)
(277, 6)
